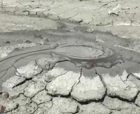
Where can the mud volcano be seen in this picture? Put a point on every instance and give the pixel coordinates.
(84, 52)
(85, 55)
(72, 72)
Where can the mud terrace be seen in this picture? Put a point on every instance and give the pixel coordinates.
(69, 57)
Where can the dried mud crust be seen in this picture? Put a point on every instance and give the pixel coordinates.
(70, 72)
(121, 17)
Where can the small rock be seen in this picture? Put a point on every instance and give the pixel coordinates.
(7, 42)
(5, 95)
(28, 41)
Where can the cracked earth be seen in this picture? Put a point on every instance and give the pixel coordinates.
(69, 57)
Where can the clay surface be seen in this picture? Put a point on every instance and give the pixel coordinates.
(69, 57)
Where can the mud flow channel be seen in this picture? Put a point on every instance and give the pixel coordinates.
(81, 67)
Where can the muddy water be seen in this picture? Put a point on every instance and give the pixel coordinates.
(72, 42)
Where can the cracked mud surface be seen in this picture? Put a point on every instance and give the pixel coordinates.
(62, 68)
(71, 72)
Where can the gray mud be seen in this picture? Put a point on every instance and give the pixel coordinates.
(61, 42)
